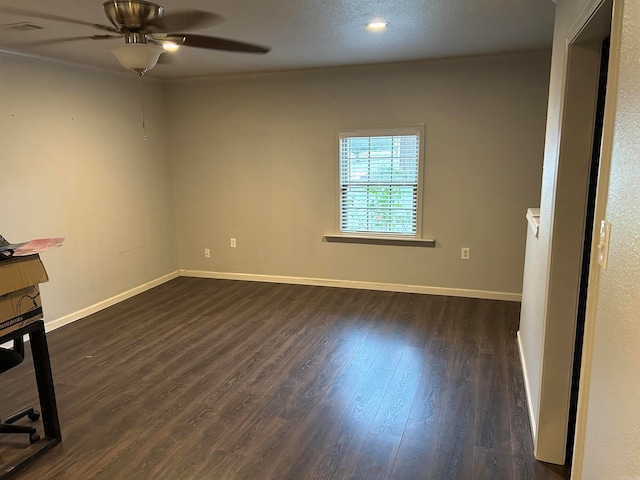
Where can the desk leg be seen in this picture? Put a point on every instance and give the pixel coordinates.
(44, 380)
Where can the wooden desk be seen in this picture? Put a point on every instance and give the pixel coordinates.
(46, 394)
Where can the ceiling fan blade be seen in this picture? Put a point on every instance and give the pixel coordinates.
(104, 37)
(71, 39)
(217, 43)
(56, 18)
(184, 20)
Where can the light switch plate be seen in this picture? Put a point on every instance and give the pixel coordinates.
(603, 244)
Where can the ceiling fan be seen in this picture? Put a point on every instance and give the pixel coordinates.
(148, 31)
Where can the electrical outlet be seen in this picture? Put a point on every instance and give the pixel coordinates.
(233, 243)
(464, 253)
(207, 253)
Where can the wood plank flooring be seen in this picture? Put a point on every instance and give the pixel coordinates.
(215, 379)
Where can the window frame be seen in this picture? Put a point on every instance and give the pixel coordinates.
(381, 237)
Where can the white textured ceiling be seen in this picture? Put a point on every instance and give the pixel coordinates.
(301, 33)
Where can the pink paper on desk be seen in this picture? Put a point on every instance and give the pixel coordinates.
(32, 247)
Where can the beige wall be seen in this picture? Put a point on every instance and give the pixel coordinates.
(254, 159)
(74, 164)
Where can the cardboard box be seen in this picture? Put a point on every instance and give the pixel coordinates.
(20, 302)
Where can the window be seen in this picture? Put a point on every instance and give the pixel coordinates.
(380, 186)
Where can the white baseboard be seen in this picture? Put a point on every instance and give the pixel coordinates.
(72, 317)
(322, 282)
(532, 417)
(325, 282)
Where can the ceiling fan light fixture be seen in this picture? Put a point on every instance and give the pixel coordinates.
(170, 46)
(138, 57)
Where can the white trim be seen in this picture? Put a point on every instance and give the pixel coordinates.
(322, 282)
(606, 149)
(72, 317)
(326, 282)
(527, 389)
(533, 218)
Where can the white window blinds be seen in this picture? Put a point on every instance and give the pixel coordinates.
(379, 182)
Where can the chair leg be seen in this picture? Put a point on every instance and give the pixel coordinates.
(30, 412)
(6, 425)
(9, 428)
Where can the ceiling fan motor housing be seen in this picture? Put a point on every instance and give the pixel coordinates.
(131, 16)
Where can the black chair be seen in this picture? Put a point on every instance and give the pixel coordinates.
(9, 358)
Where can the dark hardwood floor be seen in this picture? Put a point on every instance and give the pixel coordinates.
(213, 379)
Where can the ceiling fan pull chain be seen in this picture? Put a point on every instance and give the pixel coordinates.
(144, 127)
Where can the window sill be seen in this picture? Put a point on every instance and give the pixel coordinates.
(373, 240)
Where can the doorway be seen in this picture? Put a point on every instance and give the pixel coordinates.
(570, 231)
(588, 244)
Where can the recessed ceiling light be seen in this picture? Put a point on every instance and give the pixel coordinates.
(377, 25)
